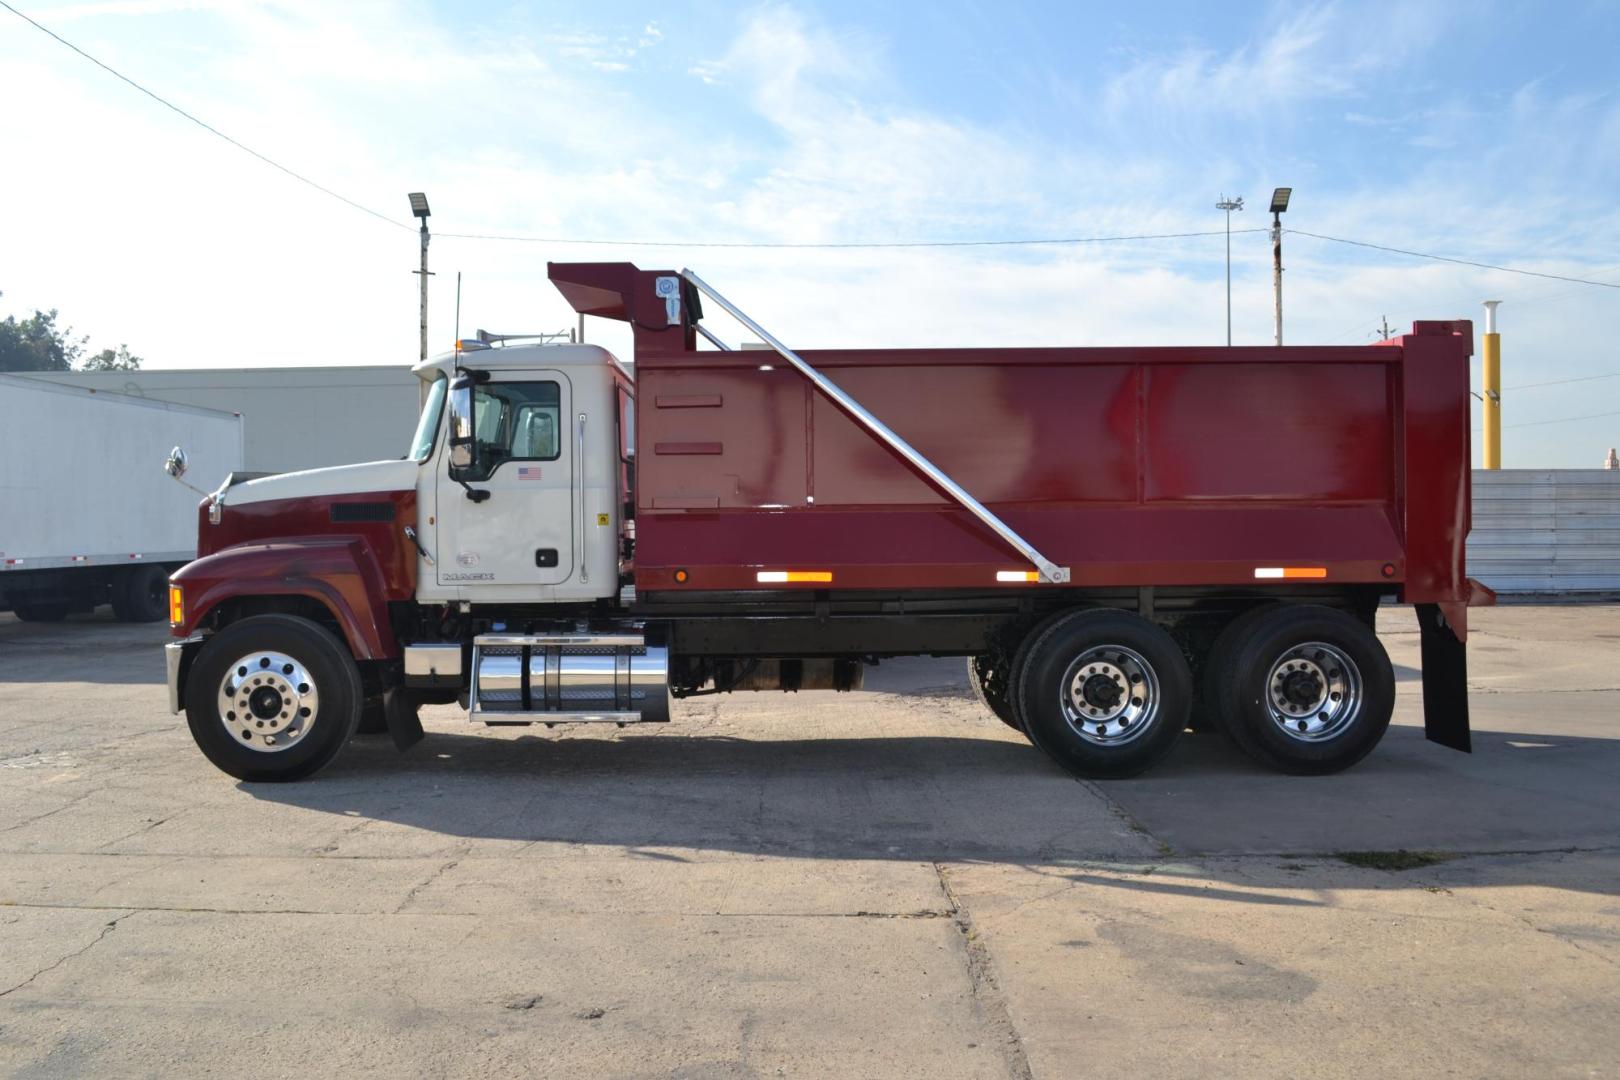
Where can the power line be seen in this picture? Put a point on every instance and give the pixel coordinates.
(837, 245)
(1448, 259)
(1561, 382)
(1027, 242)
(205, 126)
(1558, 420)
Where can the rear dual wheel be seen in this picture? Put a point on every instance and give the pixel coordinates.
(989, 675)
(1104, 693)
(1301, 688)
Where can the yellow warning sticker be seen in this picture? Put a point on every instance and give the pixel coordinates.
(601, 519)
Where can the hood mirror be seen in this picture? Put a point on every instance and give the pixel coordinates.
(175, 466)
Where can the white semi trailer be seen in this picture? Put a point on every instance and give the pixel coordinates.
(86, 515)
(296, 418)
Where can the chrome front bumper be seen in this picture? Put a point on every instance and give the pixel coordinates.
(174, 656)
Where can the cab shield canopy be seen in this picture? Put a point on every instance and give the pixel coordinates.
(622, 291)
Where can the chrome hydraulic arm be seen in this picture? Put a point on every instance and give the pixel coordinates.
(1047, 570)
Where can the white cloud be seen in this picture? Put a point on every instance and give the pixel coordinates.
(150, 231)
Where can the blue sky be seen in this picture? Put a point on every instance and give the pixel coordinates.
(1483, 131)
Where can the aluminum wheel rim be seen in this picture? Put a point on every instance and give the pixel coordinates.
(1313, 692)
(1110, 695)
(268, 702)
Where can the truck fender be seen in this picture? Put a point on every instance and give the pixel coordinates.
(339, 572)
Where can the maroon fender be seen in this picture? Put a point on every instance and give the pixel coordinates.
(340, 572)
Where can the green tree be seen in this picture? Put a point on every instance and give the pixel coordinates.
(38, 344)
(109, 360)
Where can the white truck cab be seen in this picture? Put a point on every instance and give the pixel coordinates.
(522, 455)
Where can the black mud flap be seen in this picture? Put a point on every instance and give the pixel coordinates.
(399, 710)
(1445, 681)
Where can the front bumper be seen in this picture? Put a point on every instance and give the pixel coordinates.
(177, 659)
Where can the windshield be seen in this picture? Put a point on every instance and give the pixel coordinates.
(427, 429)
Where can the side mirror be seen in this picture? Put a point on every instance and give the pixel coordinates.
(175, 466)
(463, 442)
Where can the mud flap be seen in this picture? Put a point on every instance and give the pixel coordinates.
(1445, 680)
(399, 710)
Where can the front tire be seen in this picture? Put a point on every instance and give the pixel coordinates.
(1104, 693)
(1302, 688)
(273, 698)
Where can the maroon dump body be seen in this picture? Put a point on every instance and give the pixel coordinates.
(1130, 466)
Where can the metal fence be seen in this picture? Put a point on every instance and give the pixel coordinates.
(1546, 530)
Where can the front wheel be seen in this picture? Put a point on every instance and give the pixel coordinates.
(1104, 693)
(1302, 688)
(273, 697)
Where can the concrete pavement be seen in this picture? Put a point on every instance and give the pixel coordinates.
(887, 883)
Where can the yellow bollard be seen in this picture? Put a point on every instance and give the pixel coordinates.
(1493, 388)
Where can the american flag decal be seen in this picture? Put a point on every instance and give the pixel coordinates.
(528, 472)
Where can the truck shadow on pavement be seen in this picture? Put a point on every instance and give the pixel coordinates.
(984, 797)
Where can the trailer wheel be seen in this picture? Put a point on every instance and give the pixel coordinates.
(1301, 688)
(47, 611)
(273, 697)
(991, 686)
(141, 594)
(1104, 693)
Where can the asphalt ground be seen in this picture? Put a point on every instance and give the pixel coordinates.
(881, 884)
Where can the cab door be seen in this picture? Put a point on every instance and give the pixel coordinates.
(520, 533)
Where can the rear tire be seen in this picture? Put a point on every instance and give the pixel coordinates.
(992, 687)
(46, 612)
(292, 695)
(1301, 688)
(141, 594)
(1105, 693)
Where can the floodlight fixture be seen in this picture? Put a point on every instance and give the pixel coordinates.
(1279, 199)
(419, 206)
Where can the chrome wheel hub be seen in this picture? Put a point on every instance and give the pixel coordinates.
(1313, 692)
(1110, 695)
(268, 702)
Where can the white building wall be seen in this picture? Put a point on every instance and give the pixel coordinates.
(1546, 530)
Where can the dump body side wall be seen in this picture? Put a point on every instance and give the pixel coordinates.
(1146, 466)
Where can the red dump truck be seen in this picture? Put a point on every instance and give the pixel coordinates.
(1118, 541)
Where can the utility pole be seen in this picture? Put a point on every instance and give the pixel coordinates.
(1229, 205)
(1384, 319)
(1279, 203)
(419, 207)
(1491, 362)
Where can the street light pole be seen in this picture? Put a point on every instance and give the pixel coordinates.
(1279, 203)
(419, 207)
(1229, 205)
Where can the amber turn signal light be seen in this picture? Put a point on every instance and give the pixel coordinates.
(177, 605)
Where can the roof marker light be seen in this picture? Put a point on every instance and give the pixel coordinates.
(1018, 575)
(776, 577)
(1290, 572)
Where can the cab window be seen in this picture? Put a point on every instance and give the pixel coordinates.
(516, 421)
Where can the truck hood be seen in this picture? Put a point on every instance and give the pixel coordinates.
(338, 480)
